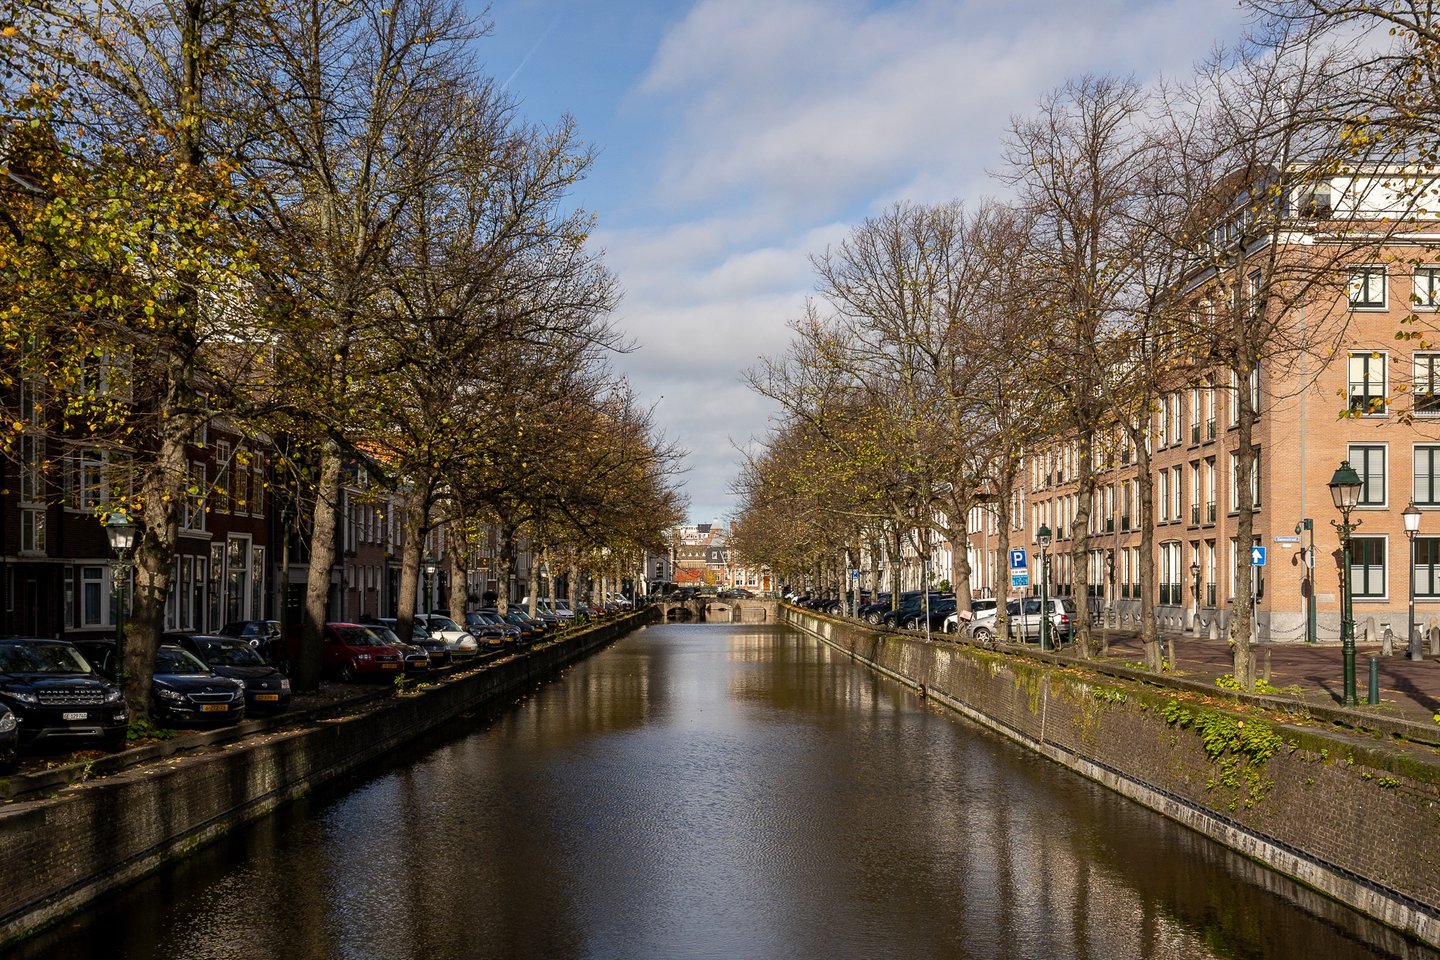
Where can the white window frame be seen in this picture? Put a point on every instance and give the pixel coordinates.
(1355, 595)
(1361, 457)
(1371, 362)
(1425, 293)
(1366, 281)
(1425, 383)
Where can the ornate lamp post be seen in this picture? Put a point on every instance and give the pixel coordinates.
(1345, 488)
(429, 586)
(1411, 516)
(1043, 538)
(120, 530)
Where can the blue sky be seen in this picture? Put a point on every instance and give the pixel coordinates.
(739, 138)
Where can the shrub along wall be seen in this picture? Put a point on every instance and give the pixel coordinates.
(1350, 816)
(61, 853)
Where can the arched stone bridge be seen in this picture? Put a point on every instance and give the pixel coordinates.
(713, 610)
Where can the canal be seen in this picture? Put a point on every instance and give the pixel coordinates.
(727, 792)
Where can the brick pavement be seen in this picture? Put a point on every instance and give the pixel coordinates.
(1313, 672)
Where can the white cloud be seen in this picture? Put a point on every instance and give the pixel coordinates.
(777, 121)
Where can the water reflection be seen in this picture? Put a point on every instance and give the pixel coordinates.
(719, 791)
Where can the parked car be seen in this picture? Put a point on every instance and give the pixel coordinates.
(940, 609)
(491, 629)
(415, 658)
(1024, 617)
(531, 628)
(9, 739)
(983, 606)
(267, 690)
(55, 695)
(352, 651)
(912, 607)
(263, 635)
(182, 689)
(456, 637)
(436, 650)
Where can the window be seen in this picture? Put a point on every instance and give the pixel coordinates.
(96, 597)
(1367, 383)
(1367, 567)
(1209, 573)
(1177, 493)
(1210, 490)
(1427, 288)
(1195, 492)
(1235, 481)
(192, 513)
(1170, 572)
(1427, 384)
(1427, 475)
(257, 484)
(91, 491)
(1367, 288)
(1427, 567)
(1369, 461)
(1164, 498)
(32, 530)
(221, 497)
(1176, 404)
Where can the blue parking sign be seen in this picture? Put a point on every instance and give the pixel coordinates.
(1017, 560)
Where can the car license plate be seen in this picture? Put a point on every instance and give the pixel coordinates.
(389, 666)
(75, 716)
(267, 696)
(421, 664)
(214, 707)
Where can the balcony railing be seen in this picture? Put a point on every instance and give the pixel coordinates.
(1210, 512)
(1209, 594)
(1124, 523)
(1210, 429)
(1110, 525)
(1194, 514)
(1195, 433)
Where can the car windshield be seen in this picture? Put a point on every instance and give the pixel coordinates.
(41, 658)
(175, 660)
(442, 623)
(385, 634)
(230, 653)
(358, 637)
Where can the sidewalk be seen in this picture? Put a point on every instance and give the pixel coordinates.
(1409, 689)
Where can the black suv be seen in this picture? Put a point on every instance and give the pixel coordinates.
(55, 695)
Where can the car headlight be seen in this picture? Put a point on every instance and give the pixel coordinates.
(8, 722)
(285, 683)
(167, 694)
(362, 656)
(239, 687)
(113, 694)
(20, 696)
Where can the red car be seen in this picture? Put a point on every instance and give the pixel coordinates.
(352, 651)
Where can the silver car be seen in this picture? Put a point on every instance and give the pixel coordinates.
(1024, 618)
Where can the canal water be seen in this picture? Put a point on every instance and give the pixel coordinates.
(705, 791)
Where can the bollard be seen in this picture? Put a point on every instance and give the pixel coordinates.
(1374, 697)
(1266, 673)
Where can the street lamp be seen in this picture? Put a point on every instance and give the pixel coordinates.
(430, 569)
(1411, 516)
(1195, 579)
(120, 530)
(1043, 538)
(1345, 488)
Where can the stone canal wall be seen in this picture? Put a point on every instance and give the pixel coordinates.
(60, 853)
(1351, 815)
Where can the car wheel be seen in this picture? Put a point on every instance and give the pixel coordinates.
(347, 672)
(949, 627)
(985, 635)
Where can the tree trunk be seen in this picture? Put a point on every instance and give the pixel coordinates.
(322, 558)
(165, 488)
(410, 600)
(1004, 520)
(1080, 549)
(1242, 626)
(507, 568)
(1145, 492)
